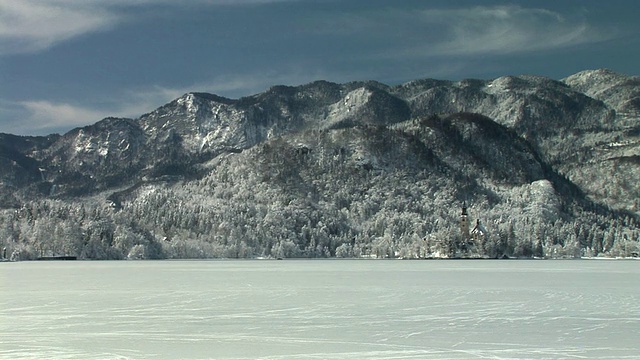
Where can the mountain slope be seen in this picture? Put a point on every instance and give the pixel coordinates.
(620, 92)
(19, 168)
(325, 169)
(614, 163)
(585, 138)
(358, 191)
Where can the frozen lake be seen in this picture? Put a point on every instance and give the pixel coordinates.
(320, 309)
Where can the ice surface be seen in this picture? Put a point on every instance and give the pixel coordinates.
(331, 309)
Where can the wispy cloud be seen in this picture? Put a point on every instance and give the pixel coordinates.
(41, 117)
(49, 115)
(506, 30)
(469, 31)
(28, 26)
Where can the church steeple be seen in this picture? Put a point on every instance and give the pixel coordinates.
(464, 222)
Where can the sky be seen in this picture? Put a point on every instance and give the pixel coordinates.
(71, 63)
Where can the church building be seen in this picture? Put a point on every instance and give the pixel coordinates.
(473, 237)
(478, 233)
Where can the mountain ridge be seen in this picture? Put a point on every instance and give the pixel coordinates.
(514, 141)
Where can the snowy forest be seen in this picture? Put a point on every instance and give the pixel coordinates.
(309, 196)
(387, 181)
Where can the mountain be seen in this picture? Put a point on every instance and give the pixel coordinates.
(325, 169)
(19, 167)
(585, 126)
(611, 154)
(620, 92)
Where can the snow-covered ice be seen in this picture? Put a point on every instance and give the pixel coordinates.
(326, 309)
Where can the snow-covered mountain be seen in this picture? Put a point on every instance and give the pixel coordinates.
(530, 153)
(620, 92)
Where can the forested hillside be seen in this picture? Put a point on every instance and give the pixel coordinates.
(339, 170)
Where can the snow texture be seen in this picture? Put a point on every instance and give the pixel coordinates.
(321, 310)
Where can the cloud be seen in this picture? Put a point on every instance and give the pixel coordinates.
(48, 116)
(505, 30)
(28, 26)
(42, 117)
(479, 30)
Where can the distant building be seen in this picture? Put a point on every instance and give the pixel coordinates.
(464, 222)
(478, 233)
(469, 239)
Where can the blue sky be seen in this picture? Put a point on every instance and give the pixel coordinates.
(69, 63)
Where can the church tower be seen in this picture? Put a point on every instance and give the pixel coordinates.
(464, 222)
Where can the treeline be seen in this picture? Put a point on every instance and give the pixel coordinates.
(177, 223)
(293, 229)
